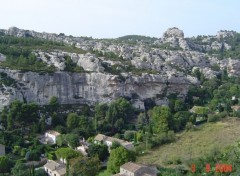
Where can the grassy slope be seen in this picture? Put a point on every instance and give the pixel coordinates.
(195, 143)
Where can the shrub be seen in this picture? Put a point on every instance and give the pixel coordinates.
(51, 155)
(213, 117)
(129, 135)
(189, 126)
(223, 114)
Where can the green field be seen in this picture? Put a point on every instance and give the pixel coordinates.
(193, 144)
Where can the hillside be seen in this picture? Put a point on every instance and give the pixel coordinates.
(193, 144)
(144, 90)
(137, 67)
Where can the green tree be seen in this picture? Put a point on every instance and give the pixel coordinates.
(10, 121)
(66, 153)
(161, 119)
(129, 135)
(100, 150)
(72, 120)
(118, 109)
(5, 164)
(115, 144)
(100, 114)
(40, 172)
(72, 140)
(83, 166)
(111, 115)
(4, 115)
(141, 121)
(118, 157)
(19, 170)
(53, 103)
(178, 106)
(60, 140)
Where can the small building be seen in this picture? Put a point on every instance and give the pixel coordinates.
(53, 168)
(134, 169)
(100, 138)
(83, 150)
(2, 150)
(50, 137)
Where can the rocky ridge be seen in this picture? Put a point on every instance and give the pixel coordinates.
(173, 57)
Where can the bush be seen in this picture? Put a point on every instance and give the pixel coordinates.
(51, 155)
(223, 114)
(176, 160)
(189, 126)
(213, 117)
(32, 155)
(129, 135)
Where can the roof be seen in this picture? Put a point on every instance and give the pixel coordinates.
(235, 108)
(55, 133)
(56, 167)
(130, 166)
(61, 170)
(101, 137)
(51, 165)
(139, 169)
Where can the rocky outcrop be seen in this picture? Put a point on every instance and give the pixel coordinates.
(173, 33)
(90, 62)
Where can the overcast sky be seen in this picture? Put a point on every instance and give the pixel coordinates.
(115, 18)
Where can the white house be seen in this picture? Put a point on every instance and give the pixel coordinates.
(100, 138)
(50, 137)
(53, 168)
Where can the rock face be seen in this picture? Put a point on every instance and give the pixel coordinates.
(71, 88)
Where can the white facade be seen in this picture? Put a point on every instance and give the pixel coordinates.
(50, 137)
(109, 141)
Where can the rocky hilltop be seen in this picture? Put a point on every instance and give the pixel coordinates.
(140, 69)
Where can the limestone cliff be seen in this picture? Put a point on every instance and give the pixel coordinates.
(71, 88)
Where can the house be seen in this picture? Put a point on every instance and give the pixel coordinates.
(134, 169)
(100, 138)
(83, 150)
(2, 150)
(53, 168)
(50, 137)
(83, 147)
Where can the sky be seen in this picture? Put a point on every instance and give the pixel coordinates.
(115, 18)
